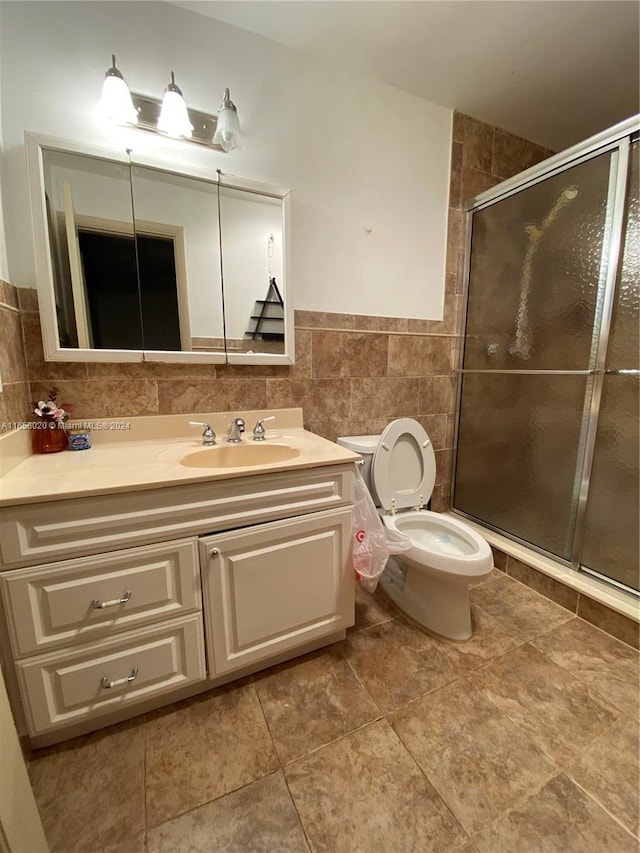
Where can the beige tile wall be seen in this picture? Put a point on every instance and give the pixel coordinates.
(353, 374)
(14, 399)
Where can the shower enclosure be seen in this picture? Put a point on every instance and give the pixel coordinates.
(547, 428)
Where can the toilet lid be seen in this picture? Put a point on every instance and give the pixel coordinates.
(403, 470)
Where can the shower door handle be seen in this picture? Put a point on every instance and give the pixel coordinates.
(622, 372)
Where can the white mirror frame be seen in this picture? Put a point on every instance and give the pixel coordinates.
(35, 144)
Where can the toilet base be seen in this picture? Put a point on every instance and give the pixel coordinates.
(440, 606)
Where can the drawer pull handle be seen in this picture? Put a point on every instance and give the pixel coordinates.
(99, 605)
(107, 685)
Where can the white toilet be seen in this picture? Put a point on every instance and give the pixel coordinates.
(430, 582)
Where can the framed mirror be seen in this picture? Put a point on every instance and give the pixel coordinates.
(139, 261)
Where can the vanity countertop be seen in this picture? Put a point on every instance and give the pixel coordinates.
(146, 455)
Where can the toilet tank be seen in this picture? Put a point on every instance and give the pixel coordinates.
(365, 445)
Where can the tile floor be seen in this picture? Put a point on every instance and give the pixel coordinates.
(524, 738)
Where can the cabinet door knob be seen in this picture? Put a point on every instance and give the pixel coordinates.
(214, 552)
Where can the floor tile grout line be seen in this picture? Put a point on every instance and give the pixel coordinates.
(195, 808)
(605, 808)
(522, 640)
(266, 722)
(331, 742)
(357, 678)
(368, 627)
(530, 736)
(519, 803)
(295, 806)
(554, 770)
(430, 781)
(591, 689)
(509, 577)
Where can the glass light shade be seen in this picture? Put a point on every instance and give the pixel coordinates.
(174, 117)
(227, 132)
(116, 103)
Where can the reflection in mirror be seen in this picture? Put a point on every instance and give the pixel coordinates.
(252, 242)
(93, 257)
(129, 265)
(181, 289)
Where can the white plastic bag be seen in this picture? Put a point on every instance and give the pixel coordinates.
(372, 541)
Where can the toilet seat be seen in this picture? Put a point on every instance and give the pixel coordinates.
(403, 470)
(443, 544)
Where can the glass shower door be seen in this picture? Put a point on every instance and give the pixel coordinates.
(611, 526)
(538, 269)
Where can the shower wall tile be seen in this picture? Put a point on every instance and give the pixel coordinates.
(477, 144)
(475, 182)
(512, 154)
(455, 181)
(455, 234)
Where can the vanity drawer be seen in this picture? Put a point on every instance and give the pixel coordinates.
(42, 532)
(76, 600)
(70, 686)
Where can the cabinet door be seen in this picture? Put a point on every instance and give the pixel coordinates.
(273, 587)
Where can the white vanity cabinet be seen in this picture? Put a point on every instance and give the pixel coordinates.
(113, 604)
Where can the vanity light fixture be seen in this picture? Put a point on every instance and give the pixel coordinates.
(174, 116)
(116, 103)
(171, 116)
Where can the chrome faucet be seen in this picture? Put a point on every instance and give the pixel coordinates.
(208, 436)
(259, 430)
(236, 428)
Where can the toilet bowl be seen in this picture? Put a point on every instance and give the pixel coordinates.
(430, 582)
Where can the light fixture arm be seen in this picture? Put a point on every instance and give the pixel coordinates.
(227, 103)
(114, 71)
(173, 86)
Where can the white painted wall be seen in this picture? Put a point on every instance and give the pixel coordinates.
(368, 164)
(4, 267)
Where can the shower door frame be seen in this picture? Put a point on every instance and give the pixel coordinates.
(616, 139)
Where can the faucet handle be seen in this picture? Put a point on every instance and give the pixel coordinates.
(208, 436)
(259, 430)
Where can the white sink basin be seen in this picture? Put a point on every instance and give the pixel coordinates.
(238, 455)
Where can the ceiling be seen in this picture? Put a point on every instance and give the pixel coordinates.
(552, 71)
